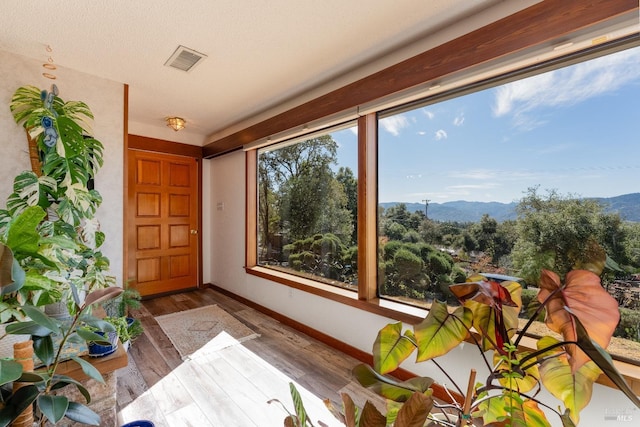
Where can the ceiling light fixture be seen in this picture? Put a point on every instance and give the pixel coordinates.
(175, 123)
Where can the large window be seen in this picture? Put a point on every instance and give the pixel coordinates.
(514, 178)
(503, 177)
(308, 206)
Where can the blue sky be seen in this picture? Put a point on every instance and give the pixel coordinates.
(576, 130)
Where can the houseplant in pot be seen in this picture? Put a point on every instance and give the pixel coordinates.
(42, 385)
(55, 196)
(577, 308)
(50, 243)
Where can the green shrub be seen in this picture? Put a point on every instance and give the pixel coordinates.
(408, 264)
(391, 248)
(440, 263)
(629, 325)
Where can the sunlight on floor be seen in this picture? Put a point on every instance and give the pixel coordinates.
(223, 384)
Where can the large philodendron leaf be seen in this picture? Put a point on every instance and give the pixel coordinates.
(23, 236)
(527, 414)
(510, 408)
(391, 347)
(388, 387)
(498, 321)
(585, 297)
(441, 331)
(573, 389)
(601, 358)
(33, 189)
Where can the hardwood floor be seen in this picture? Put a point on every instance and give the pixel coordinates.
(230, 386)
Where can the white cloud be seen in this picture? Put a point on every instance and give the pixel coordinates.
(394, 124)
(422, 132)
(441, 134)
(566, 86)
(459, 120)
(429, 114)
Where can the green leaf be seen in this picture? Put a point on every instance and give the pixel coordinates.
(520, 383)
(82, 414)
(441, 331)
(53, 407)
(391, 347)
(43, 348)
(17, 403)
(31, 377)
(89, 369)
(10, 370)
(90, 336)
(96, 323)
(573, 389)
(27, 328)
(41, 319)
(23, 236)
(61, 381)
(301, 413)
(388, 387)
(526, 414)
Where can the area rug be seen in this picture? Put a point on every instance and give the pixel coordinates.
(203, 330)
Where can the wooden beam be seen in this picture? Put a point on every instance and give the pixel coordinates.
(536, 25)
(137, 142)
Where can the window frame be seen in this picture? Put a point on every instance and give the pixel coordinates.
(458, 57)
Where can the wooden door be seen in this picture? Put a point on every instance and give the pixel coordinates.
(162, 214)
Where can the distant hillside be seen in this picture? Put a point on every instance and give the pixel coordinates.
(627, 205)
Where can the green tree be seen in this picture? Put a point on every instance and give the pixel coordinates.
(308, 199)
(350, 186)
(558, 232)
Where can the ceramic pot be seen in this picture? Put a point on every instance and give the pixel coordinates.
(99, 349)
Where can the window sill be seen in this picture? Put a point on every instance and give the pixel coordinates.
(407, 314)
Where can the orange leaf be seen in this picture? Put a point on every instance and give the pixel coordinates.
(585, 297)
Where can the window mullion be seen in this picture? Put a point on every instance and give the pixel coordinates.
(367, 207)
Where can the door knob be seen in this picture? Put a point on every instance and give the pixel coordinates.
(194, 231)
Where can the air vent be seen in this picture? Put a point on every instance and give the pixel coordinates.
(184, 59)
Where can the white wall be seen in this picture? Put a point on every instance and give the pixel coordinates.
(350, 325)
(105, 98)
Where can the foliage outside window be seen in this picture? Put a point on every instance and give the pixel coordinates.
(506, 181)
(529, 175)
(307, 207)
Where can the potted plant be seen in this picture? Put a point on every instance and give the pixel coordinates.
(49, 221)
(576, 307)
(40, 386)
(50, 252)
(117, 311)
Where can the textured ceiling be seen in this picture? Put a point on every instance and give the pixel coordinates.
(261, 53)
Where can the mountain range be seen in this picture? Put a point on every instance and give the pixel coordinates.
(627, 205)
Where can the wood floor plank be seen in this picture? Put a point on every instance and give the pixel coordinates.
(242, 391)
(219, 408)
(231, 386)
